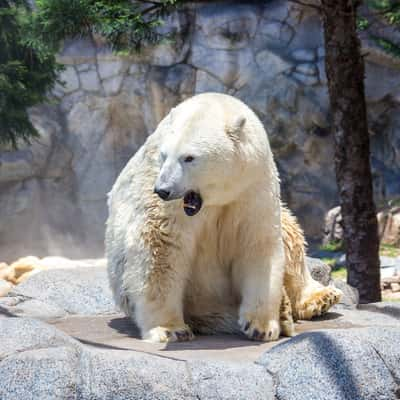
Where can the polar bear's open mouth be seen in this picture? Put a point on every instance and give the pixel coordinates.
(192, 203)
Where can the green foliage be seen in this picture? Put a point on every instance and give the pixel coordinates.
(30, 39)
(390, 9)
(391, 299)
(394, 202)
(339, 273)
(124, 24)
(362, 23)
(389, 250)
(27, 71)
(335, 245)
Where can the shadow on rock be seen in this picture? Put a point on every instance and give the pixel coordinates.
(100, 345)
(7, 313)
(328, 316)
(125, 326)
(214, 342)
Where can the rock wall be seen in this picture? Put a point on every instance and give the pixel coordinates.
(271, 55)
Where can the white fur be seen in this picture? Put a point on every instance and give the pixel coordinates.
(167, 268)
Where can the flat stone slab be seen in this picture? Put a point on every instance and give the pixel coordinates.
(117, 332)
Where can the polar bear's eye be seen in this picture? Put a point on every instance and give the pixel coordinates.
(188, 159)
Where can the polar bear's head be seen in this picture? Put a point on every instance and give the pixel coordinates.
(204, 153)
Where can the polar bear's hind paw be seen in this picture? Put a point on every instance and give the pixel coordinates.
(318, 303)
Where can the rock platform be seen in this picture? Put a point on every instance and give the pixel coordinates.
(62, 338)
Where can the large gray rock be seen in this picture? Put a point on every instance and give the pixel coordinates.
(350, 297)
(43, 374)
(337, 364)
(320, 271)
(18, 335)
(83, 291)
(22, 306)
(365, 315)
(130, 376)
(225, 381)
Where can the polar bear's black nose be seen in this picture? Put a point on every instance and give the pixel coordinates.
(164, 194)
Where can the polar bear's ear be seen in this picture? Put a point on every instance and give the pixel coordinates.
(234, 131)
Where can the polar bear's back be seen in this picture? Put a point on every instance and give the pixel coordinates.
(126, 203)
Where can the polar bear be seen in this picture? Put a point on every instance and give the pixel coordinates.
(197, 238)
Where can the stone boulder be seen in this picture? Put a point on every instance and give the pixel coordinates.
(333, 228)
(320, 271)
(54, 293)
(337, 364)
(350, 297)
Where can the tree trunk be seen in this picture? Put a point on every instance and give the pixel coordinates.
(345, 73)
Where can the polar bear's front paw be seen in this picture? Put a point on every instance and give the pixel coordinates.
(167, 334)
(256, 330)
(318, 303)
